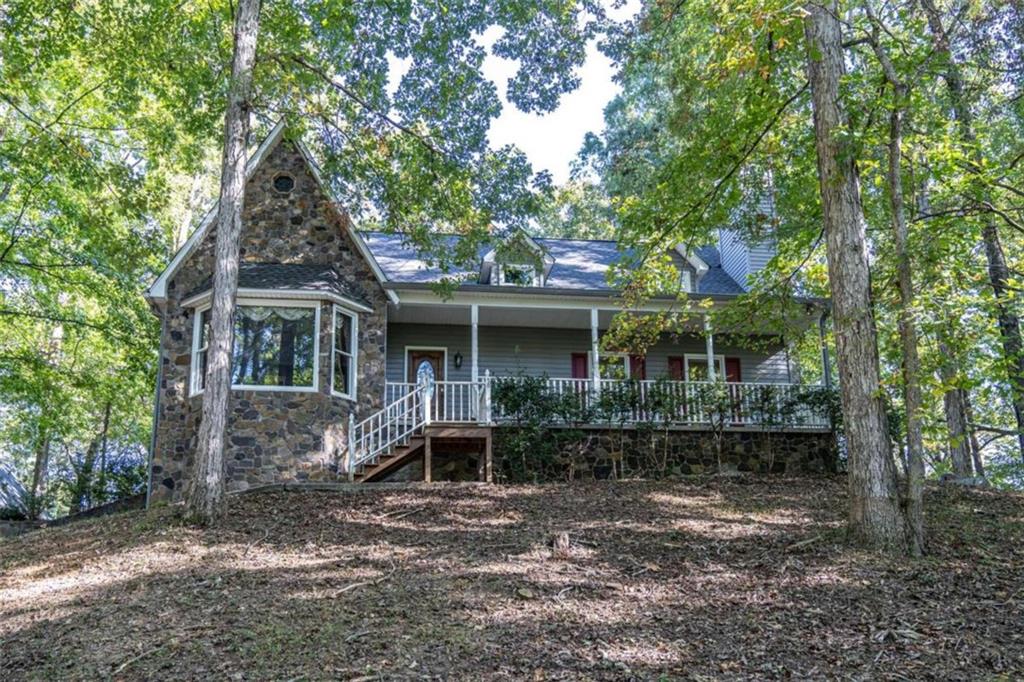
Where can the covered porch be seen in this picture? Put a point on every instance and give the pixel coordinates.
(473, 352)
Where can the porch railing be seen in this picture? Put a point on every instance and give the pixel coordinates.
(378, 434)
(733, 404)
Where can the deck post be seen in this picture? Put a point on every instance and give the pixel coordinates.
(709, 339)
(474, 321)
(485, 412)
(488, 470)
(595, 364)
(350, 456)
(428, 457)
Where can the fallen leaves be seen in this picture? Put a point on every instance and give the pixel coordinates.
(726, 578)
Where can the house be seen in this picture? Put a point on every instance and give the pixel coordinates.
(348, 365)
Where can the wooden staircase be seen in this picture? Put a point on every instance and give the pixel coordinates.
(396, 457)
(403, 429)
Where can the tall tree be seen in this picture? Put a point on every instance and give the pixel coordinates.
(876, 517)
(912, 398)
(205, 495)
(998, 270)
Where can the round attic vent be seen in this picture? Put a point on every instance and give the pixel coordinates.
(284, 183)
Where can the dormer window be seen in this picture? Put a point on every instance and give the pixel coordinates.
(517, 275)
(518, 260)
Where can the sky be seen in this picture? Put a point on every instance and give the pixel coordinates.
(552, 141)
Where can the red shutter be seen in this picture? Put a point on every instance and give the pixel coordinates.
(732, 369)
(675, 369)
(579, 366)
(637, 367)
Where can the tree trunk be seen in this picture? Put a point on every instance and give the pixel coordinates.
(39, 471)
(908, 336)
(205, 495)
(101, 483)
(955, 413)
(998, 272)
(972, 433)
(83, 478)
(912, 399)
(875, 518)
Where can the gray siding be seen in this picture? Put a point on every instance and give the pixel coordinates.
(536, 351)
(741, 260)
(733, 253)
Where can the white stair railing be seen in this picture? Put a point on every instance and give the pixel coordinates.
(381, 432)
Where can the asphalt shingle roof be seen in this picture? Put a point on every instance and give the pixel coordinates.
(290, 276)
(579, 263)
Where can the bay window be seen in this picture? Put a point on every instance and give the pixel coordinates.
(276, 346)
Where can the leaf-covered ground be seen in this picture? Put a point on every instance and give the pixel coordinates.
(741, 579)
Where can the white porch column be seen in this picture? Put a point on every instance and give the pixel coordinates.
(826, 363)
(595, 365)
(709, 339)
(474, 319)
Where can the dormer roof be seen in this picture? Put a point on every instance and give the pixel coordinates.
(521, 239)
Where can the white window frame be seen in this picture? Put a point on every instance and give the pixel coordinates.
(703, 358)
(625, 361)
(525, 266)
(196, 367)
(353, 354)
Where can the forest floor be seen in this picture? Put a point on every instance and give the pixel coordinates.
(706, 579)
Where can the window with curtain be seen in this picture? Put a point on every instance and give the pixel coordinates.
(344, 353)
(275, 346)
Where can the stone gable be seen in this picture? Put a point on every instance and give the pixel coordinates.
(272, 436)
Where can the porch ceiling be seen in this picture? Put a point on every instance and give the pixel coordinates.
(503, 315)
(497, 316)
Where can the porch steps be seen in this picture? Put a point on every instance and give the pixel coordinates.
(396, 456)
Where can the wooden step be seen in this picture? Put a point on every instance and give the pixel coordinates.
(385, 463)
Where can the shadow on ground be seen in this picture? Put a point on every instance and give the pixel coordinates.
(746, 579)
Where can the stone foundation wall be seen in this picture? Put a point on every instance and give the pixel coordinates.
(601, 454)
(273, 437)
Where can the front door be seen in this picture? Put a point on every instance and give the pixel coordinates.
(427, 365)
(430, 362)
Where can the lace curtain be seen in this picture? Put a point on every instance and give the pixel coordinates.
(260, 313)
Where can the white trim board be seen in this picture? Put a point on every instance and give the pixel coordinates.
(405, 361)
(698, 263)
(203, 299)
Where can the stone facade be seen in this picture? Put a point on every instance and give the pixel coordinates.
(273, 436)
(602, 454)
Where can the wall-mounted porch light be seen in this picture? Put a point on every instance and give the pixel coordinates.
(458, 360)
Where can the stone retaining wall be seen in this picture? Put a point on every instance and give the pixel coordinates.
(612, 454)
